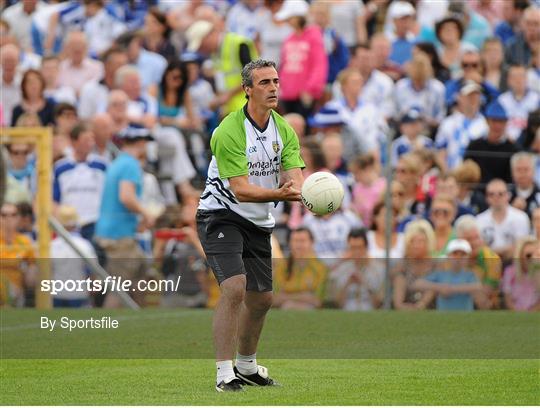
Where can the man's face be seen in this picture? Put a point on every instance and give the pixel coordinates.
(474, 239)
(517, 79)
(10, 218)
(470, 102)
(353, 85)
(470, 63)
(497, 196)
(132, 86)
(362, 60)
(403, 25)
(497, 128)
(85, 143)
(301, 244)
(49, 70)
(264, 91)
(358, 247)
(523, 173)
(531, 25)
(66, 121)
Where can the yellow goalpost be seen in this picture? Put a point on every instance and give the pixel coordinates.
(41, 138)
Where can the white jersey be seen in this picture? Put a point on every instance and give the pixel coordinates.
(518, 111)
(500, 235)
(429, 100)
(240, 148)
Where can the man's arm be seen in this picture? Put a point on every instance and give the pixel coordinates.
(128, 197)
(246, 192)
(295, 175)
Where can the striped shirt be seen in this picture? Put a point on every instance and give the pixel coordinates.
(518, 111)
(430, 100)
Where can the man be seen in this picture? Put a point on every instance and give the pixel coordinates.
(120, 209)
(103, 128)
(233, 53)
(381, 48)
(19, 17)
(493, 152)
(525, 194)
(519, 49)
(78, 181)
(254, 153)
(501, 224)
(50, 69)
(11, 80)
(402, 14)
(518, 101)
(464, 125)
(512, 11)
(411, 138)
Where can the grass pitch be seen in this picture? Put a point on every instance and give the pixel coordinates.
(163, 357)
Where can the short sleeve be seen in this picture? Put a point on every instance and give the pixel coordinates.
(290, 157)
(230, 152)
(434, 277)
(131, 171)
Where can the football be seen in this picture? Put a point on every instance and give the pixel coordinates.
(322, 193)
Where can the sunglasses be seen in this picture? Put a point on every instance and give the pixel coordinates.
(19, 152)
(440, 211)
(496, 193)
(470, 65)
(8, 214)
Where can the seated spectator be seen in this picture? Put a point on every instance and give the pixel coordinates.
(117, 104)
(439, 70)
(94, 95)
(512, 11)
(492, 152)
(411, 138)
(18, 256)
(304, 66)
(408, 173)
(33, 99)
(456, 286)
(377, 235)
(419, 241)
(519, 49)
(356, 282)
(477, 28)
(156, 32)
(67, 264)
(299, 280)
(79, 180)
(65, 119)
(381, 48)
(368, 188)
(442, 213)
(10, 81)
(525, 193)
(450, 32)
(201, 92)
(485, 263)
(501, 224)
(421, 91)
(50, 69)
(332, 150)
(447, 185)
(430, 172)
(495, 68)
(519, 287)
(468, 175)
(78, 69)
(402, 15)
(471, 65)
(518, 101)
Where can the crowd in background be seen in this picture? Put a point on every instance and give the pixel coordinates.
(445, 93)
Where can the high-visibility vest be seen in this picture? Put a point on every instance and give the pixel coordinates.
(231, 67)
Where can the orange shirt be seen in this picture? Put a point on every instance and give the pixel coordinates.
(13, 255)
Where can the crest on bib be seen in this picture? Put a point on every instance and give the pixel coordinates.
(275, 146)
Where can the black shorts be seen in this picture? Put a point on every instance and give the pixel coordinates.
(234, 246)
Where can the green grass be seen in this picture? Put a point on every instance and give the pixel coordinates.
(396, 358)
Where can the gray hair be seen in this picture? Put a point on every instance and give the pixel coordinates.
(522, 156)
(466, 223)
(123, 72)
(247, 71)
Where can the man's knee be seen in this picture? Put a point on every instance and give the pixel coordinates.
(233, 289)
(259, 302)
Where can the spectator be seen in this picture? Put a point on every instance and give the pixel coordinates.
(377, 236)
(492, 153)
(519, 287)
(484, 262)
(67, 264)
(536, 222)
(95, 94)
(200, 90)
(65, 118)
(411, 138)
(271, 34)
(477, 28)
(298, 123)
(468, 175)
(299, 280)
(120, 206)
(356, 283)
(50, 69)
(17, 254)
(381, 48)
(33, 99)
(495, 69)
(11, 80)
(19, 16)
(447, 184)
(104, 149)
(502, 225)
(117, 110)
(408, 174)
(402, 15)
(78, 69)
(132, 13)
(471, 65)
(525, 194)
(463, 126)
(332, 149)
(26, 220)
(533, 73)
(419, 241)
(151, 65)
(490, 10)
(347, 18)
(304, 66)
(518, 102)
(455, 287)
(450, 32)
(420, 90)
(512, 11)
(439, 70)
(368, 188)
(156, 35)
(442, 213)
(519, 49)
(242, 18)
(79, 181)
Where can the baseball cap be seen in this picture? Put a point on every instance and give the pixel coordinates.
(412, 115)
(401, 9)
(458, 245)
(327, 116)
(469, 87)
(496, 111)
(135, 132)
(292, 8)
(196, 32)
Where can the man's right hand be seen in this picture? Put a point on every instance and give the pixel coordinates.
(287, 192)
